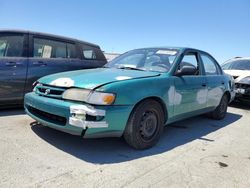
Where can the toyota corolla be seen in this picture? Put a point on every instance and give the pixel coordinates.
(133, 96)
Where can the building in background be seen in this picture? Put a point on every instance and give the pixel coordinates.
(111, 56)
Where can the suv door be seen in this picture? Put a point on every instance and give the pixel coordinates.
(215, 80)
(47, 56)
(13, 67)
(190, 90)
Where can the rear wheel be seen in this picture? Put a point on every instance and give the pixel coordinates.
(221, 110)
(145, 125)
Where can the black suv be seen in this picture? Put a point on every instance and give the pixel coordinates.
(26, 56)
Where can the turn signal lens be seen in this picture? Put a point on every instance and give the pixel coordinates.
(108, 99)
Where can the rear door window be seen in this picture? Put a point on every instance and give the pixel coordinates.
(71, 51)
(46, 48)
(11, 45)
(209, 65)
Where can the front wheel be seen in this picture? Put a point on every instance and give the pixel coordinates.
(221, 110)
(145, 125)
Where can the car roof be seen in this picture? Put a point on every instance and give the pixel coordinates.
(171, 47)
(174, 48)
(48, 35)
(240, 58)
(237, 59)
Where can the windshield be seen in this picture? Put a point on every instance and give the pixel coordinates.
(237, 65)
(154, 59)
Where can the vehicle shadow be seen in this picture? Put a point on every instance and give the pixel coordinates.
(12, 111)
(115, 150)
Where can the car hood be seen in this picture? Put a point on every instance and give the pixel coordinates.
(238, 74)
(93, 78)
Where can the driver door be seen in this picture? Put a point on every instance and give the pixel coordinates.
(190, 90)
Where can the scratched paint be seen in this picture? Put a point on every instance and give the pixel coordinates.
(174, 97)
(63, 82)
(122, 78)
(202, 96)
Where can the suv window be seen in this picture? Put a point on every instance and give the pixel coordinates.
(209, 65)
(45, 48)
(89, 54)
(190, 59)
(71, 51)
(11, 46)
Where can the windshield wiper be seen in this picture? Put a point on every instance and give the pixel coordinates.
(130, 68)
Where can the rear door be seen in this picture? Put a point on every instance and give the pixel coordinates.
(190, 90)
(215, 80)
(13, 67)
(48, 56)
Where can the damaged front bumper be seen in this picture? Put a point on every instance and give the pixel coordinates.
(242, 91)
(76, 118)
(79, 115)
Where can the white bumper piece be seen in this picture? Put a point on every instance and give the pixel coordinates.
(78, 117)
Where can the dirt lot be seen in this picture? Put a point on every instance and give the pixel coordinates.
(197, 152)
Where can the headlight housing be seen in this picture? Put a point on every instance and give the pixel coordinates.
(36, 83)
(89, 96)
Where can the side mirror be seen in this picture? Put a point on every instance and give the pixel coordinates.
(186, 70)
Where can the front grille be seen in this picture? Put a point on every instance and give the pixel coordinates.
(242, 86)
(50, 91)
(59, 120)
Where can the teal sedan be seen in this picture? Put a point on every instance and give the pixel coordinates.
(133, 96)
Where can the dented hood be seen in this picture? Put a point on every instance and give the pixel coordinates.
(92, 78)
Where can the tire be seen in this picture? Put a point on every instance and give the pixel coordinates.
(221, 110)
(145, 125)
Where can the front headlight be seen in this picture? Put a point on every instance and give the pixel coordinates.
(76, 94)
(101, 98)
(88, 96)
(35, 84)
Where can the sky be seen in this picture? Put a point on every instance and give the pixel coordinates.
(219, 27)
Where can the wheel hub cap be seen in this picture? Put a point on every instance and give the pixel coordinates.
(148, 125)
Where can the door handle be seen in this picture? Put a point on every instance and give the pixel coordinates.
(11, 64)
(222, 83)
(204, 85)
(39, 63)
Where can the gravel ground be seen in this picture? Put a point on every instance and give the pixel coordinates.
(197, 152)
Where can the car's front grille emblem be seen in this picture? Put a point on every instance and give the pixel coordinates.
(47, 91)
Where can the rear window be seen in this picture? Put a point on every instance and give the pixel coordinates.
(11, 45)
(91, 53)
